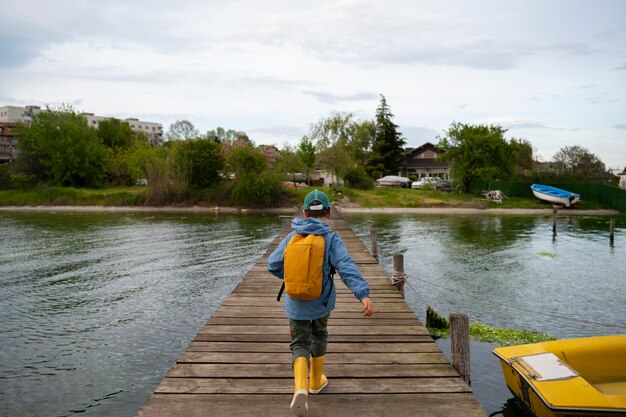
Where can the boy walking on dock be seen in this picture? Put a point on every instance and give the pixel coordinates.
(306, 260)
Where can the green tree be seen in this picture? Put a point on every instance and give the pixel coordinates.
(254, 185)
(181, 130)
(202, 159)
(331, 130)
(119, 137)
(60, 147)
(331, 136)
(523, 151)
(387, 148)
(141, 156)
(288, 163)
(116, 134)
(359, 178)
(231, 136)
(363, 135)
(306, 153)
(336, 159)
(341, 142)
(580, 162)
(477, 153)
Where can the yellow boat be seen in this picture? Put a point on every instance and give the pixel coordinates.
(583, 377)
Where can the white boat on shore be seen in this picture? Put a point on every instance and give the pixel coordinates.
(554, 195)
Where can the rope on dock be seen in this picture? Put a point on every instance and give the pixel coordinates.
(509, 305)
(398, 278)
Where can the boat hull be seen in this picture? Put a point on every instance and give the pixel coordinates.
(534, 405)
(577, 377)
(555, 195)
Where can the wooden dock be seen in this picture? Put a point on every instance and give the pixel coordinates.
(239, 364)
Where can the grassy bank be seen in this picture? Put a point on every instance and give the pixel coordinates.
(346, 197)
(410, 198)
(69, 196)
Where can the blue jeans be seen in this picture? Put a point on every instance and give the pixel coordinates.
(308, 338)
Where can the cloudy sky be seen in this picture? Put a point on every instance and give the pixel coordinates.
(552, 72)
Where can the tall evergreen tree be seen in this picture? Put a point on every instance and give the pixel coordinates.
(387, 157)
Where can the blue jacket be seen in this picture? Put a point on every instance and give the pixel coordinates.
(336, 255)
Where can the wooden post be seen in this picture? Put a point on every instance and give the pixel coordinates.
(460, 349)
(612, 230)
(398, 276)
(554, 214)
(374, 240)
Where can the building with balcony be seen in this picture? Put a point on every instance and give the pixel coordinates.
(8, 142)
(422, 162)
(13, 114)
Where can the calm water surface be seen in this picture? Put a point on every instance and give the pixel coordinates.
(508, 271)
(96, 307)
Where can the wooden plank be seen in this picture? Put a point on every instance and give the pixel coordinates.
(327, 405)
(273, 321)
(353, 305)
(340, 330)
(277, 311)
(339, 370)
(285, 386)
(285, 338)
(356, 347)
(285, 357)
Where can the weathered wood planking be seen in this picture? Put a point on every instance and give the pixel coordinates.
(386, 365)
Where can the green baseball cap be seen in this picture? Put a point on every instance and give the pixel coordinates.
(316, 195)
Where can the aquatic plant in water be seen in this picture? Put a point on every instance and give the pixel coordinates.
(439, 327)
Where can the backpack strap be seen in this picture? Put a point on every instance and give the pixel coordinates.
(280, 293)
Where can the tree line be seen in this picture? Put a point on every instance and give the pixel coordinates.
(59, 148)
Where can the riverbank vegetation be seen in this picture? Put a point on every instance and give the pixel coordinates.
(439, 327)
(64, 161)
(222, 195)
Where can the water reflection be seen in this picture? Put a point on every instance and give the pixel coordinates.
(507, 271)
(510, 408)
(96, 306)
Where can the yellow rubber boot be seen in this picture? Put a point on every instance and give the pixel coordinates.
(300, 403)
(318, 379)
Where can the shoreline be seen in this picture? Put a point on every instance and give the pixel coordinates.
(144, 209)
(472, 211)
(290, 210)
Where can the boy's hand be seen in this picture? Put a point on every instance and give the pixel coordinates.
(368, 307)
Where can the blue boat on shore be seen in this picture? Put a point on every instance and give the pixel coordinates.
(554, 195)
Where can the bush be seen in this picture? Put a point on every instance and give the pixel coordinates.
(23, 181)
(257, 190)
(358, 178)
(201, 159)
(5, 177)
(167, 185)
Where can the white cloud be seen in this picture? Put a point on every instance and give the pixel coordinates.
(551, 72)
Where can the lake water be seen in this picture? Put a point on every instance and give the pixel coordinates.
(508, 271)
(96, 307)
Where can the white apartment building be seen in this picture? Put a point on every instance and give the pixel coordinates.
(12, 114)
(153, 130)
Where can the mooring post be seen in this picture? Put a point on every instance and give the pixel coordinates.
(612, 230)
(459, 347)
(374, 240)
(399, 277)
(555, 212)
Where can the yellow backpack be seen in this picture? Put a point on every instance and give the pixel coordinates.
(304, 261)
